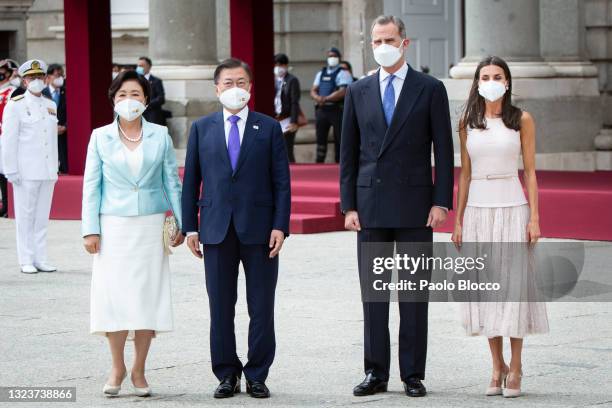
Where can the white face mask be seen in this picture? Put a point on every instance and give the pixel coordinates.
(16, 82)
(234, 98)
(129, 109)
(387, 55)
(333, 61)
(491, 90)
(36, 86)
(279, 71)
(58, 82)
(115, 74)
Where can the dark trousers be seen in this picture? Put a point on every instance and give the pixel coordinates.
(5, 198)
(326, 117)
(221, 265)
(62, 151)
(413, 315)
(290, 143)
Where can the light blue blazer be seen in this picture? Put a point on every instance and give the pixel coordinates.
(109, 186)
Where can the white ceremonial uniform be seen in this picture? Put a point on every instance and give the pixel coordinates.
(30, 161)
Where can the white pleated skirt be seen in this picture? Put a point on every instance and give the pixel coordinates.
(130, 282)
(507, 319)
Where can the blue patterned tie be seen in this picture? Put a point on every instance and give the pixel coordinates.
(233, 141)
(56, 96)
(389, 100)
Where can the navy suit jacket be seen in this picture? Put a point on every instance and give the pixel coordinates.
(256, 195)
(154, 112)
(61, 108)
(385, 171)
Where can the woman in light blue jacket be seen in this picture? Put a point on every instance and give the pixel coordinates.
(131, 180)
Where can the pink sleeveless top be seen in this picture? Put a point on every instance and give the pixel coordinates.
(494, 154)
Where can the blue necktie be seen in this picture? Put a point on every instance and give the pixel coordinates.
(233, 141)
(389, 100)
(56, 96)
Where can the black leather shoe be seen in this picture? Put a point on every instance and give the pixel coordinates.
(370, 386)
(414, 387)
(228, 387)
(257, 389)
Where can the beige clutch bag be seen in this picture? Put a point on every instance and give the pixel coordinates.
(170, 232)
(170, 229)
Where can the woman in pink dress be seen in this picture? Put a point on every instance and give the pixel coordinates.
(492, 207)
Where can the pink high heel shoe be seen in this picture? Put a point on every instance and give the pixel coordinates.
(491, 391)
(513, 392)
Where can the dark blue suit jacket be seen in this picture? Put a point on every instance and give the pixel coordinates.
(61, 108)
(385, 171)
(257, 195)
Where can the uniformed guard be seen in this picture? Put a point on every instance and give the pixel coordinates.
(328, 92)
(29, 155)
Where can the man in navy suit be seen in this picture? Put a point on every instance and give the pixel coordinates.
(238, 159)
(391, 119)
(56, 90)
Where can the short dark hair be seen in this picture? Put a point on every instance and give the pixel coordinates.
(348, 64)
(232, 63)
(281, 59)
(384, 20)
(147, 59)
(129, 76)
(54, 67)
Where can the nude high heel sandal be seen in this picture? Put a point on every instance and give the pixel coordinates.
(491, 391)
(513, 392)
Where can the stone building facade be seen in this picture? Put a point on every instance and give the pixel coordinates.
(560, 53)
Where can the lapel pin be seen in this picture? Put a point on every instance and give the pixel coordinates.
(255, 127)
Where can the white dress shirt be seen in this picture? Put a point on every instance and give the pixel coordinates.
(398, 81)
(134, 158)
(278, 104)
(243, 115)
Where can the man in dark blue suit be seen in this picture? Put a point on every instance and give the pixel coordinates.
(391, 119)
(238, 161)
(56, 90)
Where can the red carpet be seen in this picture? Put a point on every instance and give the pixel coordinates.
(572, 204)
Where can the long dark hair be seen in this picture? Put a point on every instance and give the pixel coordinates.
(474, 111)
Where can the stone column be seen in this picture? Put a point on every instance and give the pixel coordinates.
(507, 29)
(183, 47)
(183, 32)
(550, 80)
(357, 17)
(562, 38)
(563, 41)
(13, 16)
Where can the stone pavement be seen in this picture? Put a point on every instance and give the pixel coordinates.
(44, 322)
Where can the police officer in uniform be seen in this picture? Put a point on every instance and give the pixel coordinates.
(328, 92)
(29, 155)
